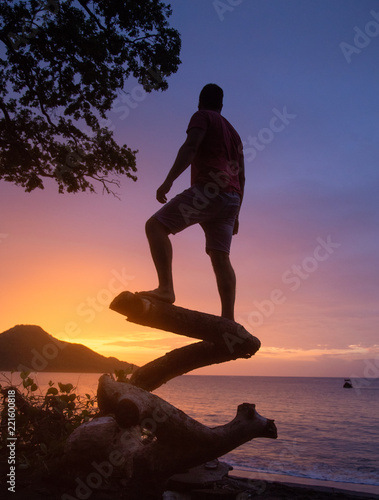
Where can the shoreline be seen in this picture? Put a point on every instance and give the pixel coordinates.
(371, 491)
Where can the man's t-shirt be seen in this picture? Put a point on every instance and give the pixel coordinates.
(217, 159)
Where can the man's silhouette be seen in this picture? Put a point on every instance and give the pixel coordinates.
(214, 150)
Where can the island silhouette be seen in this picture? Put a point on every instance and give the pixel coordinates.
(30, 348)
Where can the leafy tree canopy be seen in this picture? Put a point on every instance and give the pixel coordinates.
(62, 65)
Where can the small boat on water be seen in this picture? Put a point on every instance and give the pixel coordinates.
(348, 384)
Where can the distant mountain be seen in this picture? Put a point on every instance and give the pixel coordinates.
(30, 348)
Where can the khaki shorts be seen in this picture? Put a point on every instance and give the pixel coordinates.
(213, 209)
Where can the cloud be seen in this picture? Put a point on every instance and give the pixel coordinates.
(351, 352)
(147, 341)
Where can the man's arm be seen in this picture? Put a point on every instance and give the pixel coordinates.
(184, 158)
(241, 178)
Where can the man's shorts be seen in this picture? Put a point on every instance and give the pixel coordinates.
(213, 209)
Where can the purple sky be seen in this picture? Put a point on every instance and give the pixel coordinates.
(300, 80)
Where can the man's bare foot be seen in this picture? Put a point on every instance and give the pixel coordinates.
(163, 295)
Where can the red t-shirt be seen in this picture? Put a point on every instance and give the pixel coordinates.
(217, 159)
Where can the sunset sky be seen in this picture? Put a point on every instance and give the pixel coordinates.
(300, 80)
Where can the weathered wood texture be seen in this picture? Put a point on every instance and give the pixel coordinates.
(145, 438)
(223, 339)
(177, 442)
(178, 362)
(172, 425)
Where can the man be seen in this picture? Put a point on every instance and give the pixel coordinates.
(214, 150)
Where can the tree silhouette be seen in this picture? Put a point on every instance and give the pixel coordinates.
(62, 65)
(152, 439)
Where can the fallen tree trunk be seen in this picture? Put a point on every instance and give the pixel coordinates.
(151, 312)
(145, 438)
(180, 361)
(171, 424)
(223, 339)
(175, 441)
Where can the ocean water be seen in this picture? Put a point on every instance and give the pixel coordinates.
(324, 430)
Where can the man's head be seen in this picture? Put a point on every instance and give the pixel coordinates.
(211, 97)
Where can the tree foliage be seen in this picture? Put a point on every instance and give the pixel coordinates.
(44, 418)
(42, 421)
(62, 65)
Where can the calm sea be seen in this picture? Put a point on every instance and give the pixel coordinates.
(324, 430)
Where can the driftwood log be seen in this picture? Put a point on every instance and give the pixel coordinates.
(222, 339)
(146, 439)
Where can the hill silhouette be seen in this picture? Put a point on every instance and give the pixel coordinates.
(30, 348)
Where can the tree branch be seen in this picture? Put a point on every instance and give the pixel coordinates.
(223, 339)
(6, 114)
(180, 361)
(91, 14)
(155, 313)
(177, 442)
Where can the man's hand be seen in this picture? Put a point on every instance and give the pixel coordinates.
(163, 190)
(236, 226)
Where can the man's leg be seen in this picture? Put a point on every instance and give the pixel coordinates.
(226, 281)
(161, 252)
